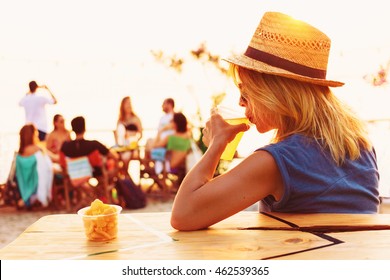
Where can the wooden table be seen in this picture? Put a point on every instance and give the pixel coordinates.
(246, 235)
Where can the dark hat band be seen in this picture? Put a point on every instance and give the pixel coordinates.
(285, 64)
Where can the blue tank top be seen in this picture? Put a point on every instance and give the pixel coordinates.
(314, 183)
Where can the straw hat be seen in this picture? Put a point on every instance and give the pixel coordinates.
(287, 47)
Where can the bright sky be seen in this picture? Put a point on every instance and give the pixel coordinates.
(89, 51)
(117, 28)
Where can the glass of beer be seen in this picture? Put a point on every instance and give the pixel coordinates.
(232, 117)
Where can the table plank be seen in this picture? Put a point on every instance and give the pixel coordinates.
(363, 245)
(363, 221)
(150, 236)
(223, 245)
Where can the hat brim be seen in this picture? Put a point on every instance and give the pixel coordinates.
(252, 64)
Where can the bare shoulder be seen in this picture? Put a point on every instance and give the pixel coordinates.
(260, 170)
(30, 150)
(258, 163)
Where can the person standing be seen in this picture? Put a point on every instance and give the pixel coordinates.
(34, 107)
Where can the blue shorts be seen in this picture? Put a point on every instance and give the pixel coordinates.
(158, 154)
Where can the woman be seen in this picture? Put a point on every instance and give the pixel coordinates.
(320, 159)
(58, 136)
(128, 132)
(177, 144)
(34, 171)
(129, 124)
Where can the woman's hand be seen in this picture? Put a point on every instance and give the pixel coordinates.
(217, 130)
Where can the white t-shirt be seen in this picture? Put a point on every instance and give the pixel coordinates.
(34, 108)
(164, 120)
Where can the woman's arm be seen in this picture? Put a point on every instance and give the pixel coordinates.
(49, 143)
(203, 200)
(168, 126)
(160, 142)
(139, 126)
(120, 134)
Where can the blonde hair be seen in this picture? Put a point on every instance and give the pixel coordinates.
(302, 108)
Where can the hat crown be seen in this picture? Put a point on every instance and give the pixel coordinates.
(294, 40)
(284, 46)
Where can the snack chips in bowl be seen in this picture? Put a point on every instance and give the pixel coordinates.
(100, 220)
